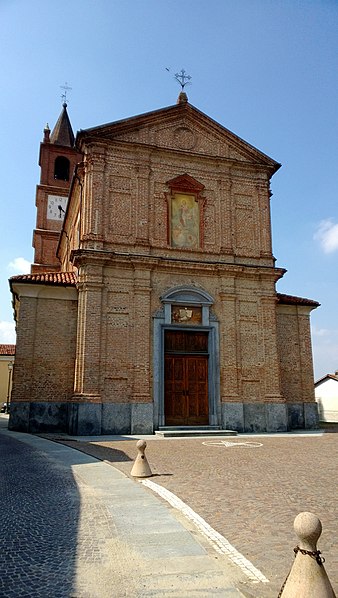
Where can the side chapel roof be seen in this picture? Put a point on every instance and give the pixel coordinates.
(291, 300)
(70, 279)
(50, 278)
(7, 350)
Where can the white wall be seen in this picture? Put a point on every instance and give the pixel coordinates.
(327, 398)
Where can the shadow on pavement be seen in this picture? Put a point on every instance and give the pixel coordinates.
(40, 507)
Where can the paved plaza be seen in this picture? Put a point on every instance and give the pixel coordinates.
(248, 488)
(74, 526)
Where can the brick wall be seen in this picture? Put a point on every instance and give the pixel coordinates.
(44, 366)
(294, 342)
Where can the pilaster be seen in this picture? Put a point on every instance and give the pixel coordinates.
(88, 354)
(93, 213)
(224, 189)
(271, 358)
(141, 335)
(229, 348)
(305, 355)
(142, 217)
(265, 220)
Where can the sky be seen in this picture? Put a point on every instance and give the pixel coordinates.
(265, 69)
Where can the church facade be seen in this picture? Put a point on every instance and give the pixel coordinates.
(152, 299)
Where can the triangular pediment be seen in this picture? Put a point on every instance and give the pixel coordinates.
(181, 128)
(185, 182)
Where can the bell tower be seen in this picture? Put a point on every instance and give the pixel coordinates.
(57, 160)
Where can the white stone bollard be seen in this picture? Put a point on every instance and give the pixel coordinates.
(307, 578)
(141, 467)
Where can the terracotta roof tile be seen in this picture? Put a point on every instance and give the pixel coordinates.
(54, 278)
(7, 349)
(291, 300)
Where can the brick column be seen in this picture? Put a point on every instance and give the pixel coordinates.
(224, 189)
(311, 415)
(142, 408)
(271, 358)
(142, 217)
(228, 349)
(265, 219)
(141, 336)
(232, 414)
(88, 351)
(93, 200)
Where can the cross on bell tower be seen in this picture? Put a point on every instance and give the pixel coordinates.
(66, 88)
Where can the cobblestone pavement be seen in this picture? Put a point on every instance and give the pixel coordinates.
(249, 495)
(57, 537)
(39, 516)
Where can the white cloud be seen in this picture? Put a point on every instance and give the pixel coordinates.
(7, 333)
(19, 266)
(320, 331)
(327, 235)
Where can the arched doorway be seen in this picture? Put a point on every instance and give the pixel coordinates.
(186, 364)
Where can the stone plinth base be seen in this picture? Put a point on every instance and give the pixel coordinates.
(94, 419)
(38, 417)
(110, 418)
(82, 419)
(269, 417)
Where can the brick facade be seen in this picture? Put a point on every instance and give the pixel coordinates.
(168, 210)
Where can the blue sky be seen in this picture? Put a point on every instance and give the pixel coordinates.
(265, 69)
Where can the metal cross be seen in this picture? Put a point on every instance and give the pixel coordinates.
(182, 78)
(64, 95)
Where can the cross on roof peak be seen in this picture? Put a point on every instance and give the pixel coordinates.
(183, 78)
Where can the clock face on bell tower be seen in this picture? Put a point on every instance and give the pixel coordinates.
(56, 207)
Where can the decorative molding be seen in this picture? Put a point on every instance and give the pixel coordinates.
(187, 295)
(185, 183)
(184, 138)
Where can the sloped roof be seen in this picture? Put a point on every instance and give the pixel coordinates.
(326, 377)
(291, 300)
(170, 113)
(53, 278)
(62, 133)
(7, 349)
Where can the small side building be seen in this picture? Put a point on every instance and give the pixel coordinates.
(7, 355)
(326, 393)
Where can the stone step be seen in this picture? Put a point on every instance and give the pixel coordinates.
(206, 427)
(193, 432)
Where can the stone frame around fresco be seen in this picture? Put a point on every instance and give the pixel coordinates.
(185, 185)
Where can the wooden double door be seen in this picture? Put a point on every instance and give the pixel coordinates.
(186, 378)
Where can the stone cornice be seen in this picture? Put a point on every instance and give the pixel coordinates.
(111, 258)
